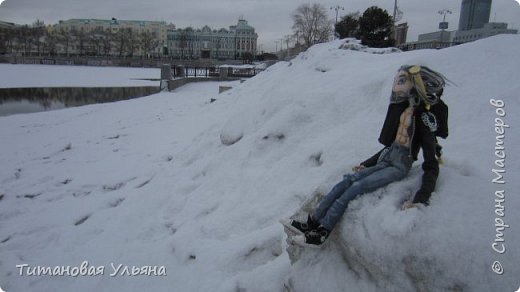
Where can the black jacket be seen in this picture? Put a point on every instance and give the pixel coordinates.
(423, 138)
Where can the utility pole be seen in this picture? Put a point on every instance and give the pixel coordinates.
(287, 39)
(281, 47)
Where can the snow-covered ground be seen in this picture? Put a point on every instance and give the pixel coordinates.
(21, 76)
(195, 188)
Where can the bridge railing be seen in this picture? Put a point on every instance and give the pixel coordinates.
(238, 72)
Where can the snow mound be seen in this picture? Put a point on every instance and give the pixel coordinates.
(198, 187)
(355, 45)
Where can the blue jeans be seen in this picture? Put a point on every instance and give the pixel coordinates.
(392, 166)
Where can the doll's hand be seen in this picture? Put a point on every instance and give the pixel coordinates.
(358, 168)
(409, 204)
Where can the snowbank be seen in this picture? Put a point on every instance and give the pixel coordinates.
(355, 45)
(149, 182)
(447, 246)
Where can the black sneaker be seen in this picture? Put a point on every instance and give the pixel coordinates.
(314, 238)
(300, 227)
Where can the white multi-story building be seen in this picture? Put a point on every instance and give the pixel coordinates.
(137, 38)
(7, 25)
(237, 42)
(5, 28)
(489, 29)
(473, 25)
(136, 33)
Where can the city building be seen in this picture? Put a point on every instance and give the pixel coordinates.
(6, 31)
(401, 32)
(440, 36)
(474, 22)
(237, 42)
(473, 25)
(147, 38)
(7, 25)
(474, 14)
(432, 40)
(489, 29)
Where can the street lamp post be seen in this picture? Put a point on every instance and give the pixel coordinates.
(287, 40)
(336, 8)
(395, 12)
(443, 25)
(398, 15)
(281, 47)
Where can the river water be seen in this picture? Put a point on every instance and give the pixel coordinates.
(30, 100)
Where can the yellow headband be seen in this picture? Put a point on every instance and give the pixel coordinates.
(419, 84)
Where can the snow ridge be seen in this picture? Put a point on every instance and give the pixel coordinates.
(198, 187)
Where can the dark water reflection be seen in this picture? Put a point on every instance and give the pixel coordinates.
(28, 100)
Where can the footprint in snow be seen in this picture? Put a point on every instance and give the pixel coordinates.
(65, 182)
(6, 239)
(279, 137)
(144, 183)
(117, 186)
(113, 137)
(113, 187)
(316, 159)
(81, 194)
(116, 202)
(29, 196)
(81, 220)
(207, 212)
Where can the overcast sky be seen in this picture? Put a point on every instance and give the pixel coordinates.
(271, 18)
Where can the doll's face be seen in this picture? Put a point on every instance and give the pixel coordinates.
(402, 84)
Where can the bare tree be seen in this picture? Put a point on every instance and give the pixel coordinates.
(107, 38)
(23, 38)
(7, 37)
(311, 24)
(220, 45)
(64, 39)
(185, 40)
(100, 41)
(132, 43)
(50, 43)
(96, 41)
(38, 33)
(81, 39)
(121, 39)
(190, 40)
(126, 41)
(148, 41)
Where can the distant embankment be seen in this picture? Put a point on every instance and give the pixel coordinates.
(114, 61)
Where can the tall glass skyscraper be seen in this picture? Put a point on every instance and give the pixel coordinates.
(474, 14)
